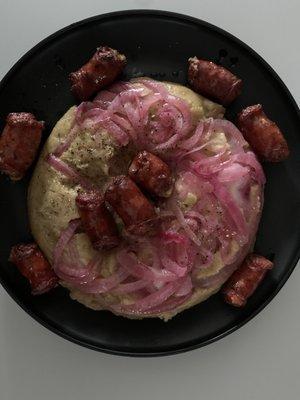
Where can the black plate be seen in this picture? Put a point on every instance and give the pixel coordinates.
(157, 44)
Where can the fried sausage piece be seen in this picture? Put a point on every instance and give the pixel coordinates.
(32, 264)
(213, 81)
(152, 174)
(136, 211)
(263, 134)
(244, 281)
(19, 143)
(101, 70)
(97, 221)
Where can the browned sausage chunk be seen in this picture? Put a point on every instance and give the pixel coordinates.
(19, 143)
(263, 134)
(32, 264)
(213, 81)
(244, 281)
(101, 70)
(152, 174)
(97, 220)
(136, 211)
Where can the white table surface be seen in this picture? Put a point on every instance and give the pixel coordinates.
(261, 360)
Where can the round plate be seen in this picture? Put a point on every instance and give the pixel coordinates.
(156, 44)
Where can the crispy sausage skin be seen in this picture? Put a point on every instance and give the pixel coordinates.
(97, 221)
(152, 174)
(244, 281)
(101, 70)
(19, 143)
(32, 264)
(136, 211)
(263, 134)
(213, 81)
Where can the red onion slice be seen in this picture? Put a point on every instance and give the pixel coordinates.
(104, 285)
(233, 135)
(131, 287)
(122, 122)
(233, 173)
(140, 270)
(74, 253)
(172, 237)
(232, 208)
(179, 215)
(249, 159)
(154, 299)
(185, 288)
(173, 266)
(193, 140)
(224, 273)
(64, 239)
(105, 96)
(62, 147)
(156, 87)
(119, 87)
(68, 172)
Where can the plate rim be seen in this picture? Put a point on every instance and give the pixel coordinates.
(51, 326)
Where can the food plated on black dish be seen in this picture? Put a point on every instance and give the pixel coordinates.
(145, 199)
(129, 232)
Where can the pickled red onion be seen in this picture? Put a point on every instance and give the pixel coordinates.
(64, 239)
(104, 285)
(193, 140)
(186, 287)
(179, 215)
(131, 287)
(150, 118)
(140, 270)
(155, 299)
(68, 171)
(169, 305)
(227, 201)
(133, 103)
(63, 146)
